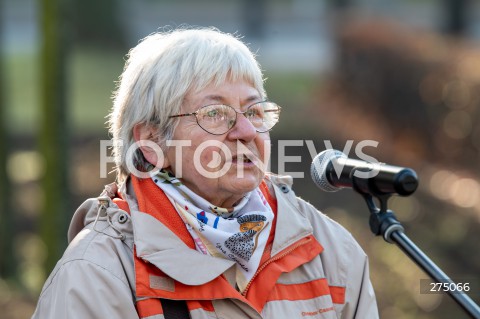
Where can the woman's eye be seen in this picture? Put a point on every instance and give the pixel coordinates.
(251, 113)
(212, 113)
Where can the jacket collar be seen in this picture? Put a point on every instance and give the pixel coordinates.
(162, 239)
(160, 246)
(292, 225)
(159, 242)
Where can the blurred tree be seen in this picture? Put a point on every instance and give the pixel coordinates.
(456, 16)
(7, 262)
(98, 23)
(54, 132)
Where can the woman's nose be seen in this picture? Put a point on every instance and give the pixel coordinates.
(243, 129)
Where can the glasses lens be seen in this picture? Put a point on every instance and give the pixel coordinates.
(263, 115)
(216, 119)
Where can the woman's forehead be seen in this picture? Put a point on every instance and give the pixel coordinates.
(224, 93)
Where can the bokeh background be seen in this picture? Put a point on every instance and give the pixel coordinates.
(403, 73)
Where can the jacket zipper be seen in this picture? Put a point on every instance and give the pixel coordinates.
(277, 257)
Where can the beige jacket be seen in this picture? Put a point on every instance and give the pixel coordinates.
(96, 276)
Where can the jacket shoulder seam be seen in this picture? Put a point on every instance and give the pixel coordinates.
(64, 265)
(82, 257)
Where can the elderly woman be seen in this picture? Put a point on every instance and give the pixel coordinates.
(196, 227)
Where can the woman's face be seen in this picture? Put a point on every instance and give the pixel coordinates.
(220, 168)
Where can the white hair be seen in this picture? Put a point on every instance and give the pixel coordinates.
(161, 70)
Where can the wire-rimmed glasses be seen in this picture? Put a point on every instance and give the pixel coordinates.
(218, 119)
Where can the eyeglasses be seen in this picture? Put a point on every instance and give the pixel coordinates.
(218, 119)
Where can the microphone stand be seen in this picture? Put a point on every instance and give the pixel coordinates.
(383, 222)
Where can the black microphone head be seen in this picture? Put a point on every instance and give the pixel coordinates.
(319, 170)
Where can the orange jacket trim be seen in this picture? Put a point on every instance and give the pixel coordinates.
(153, 201)
(264, 287)
(149, 307)
(153, 306)
(292, 257)
(307, 290)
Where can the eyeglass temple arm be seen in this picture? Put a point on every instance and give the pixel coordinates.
(277, 110)
(183, 115)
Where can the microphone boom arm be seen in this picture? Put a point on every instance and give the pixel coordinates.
(383, 222)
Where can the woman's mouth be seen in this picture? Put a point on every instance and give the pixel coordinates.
(242, 159)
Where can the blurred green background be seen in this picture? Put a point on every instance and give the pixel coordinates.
(403, 73)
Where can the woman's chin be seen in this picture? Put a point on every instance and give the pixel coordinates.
(246, 182)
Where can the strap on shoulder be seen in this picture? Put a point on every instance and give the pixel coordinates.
(175, 309)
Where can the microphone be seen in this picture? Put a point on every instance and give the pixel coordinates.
(332, 170)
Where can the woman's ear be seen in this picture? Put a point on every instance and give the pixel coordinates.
(145, 137)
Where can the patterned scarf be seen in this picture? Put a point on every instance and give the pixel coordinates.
(239, 235)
